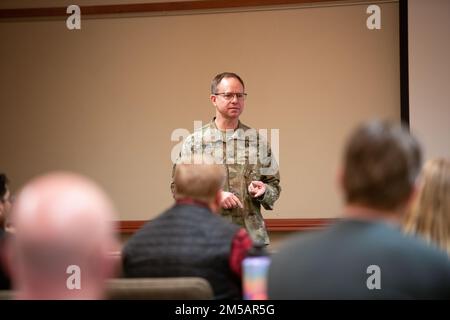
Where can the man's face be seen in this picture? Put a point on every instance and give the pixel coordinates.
(228, 107)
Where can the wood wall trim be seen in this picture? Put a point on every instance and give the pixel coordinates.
(148, 7)
(298, 224)
(131, 226)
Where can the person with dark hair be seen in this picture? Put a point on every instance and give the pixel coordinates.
(190, 239)
(5, 282)
(366, 255)
(5, 207)
(5, 203)
(252, 178)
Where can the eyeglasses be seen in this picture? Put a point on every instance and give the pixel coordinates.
(229, 95)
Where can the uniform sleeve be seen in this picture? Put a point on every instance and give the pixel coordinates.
(271, 177)
(272, 193)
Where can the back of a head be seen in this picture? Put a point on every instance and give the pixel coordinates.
(430, 214)
(198, 178)
(381, 163)
(64, 234)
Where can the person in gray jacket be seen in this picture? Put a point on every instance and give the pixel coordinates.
(366, 255)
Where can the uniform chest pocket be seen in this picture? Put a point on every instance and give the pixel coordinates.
(246, 151)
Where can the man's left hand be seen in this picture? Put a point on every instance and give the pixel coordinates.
(256, 189)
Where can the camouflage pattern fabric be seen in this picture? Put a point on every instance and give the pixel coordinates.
(247, 157)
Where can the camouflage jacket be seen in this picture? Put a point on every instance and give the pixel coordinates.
(247, 157)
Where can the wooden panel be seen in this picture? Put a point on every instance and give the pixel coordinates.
(131, 226)
(298, 224)
(147, 7)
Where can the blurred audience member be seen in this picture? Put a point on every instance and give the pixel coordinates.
(366, 255)
(5, 206)
(64, 236)
(190, 239)
(430, 214)
(7, 222)
(5, 203)
(5, 283)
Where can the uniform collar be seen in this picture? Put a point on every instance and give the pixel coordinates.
(213, 125)
(236, 134)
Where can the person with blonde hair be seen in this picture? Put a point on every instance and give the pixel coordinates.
(429, 216)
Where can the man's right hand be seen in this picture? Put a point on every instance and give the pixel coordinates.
(230, 201)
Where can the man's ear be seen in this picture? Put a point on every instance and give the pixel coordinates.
(112, 264)
(213, 99)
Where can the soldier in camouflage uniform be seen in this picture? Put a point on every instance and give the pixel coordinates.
(252, 173)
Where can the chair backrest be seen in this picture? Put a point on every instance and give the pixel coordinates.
(179, 288)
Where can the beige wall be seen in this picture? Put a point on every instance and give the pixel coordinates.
(429, 74)
(104, 100)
